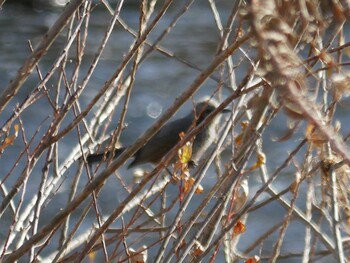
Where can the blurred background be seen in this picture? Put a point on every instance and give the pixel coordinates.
(158, 81)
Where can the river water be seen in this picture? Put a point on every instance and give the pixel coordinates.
(159, 80)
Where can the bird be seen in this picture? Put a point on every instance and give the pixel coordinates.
(169, 135)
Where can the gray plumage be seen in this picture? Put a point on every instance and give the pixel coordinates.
(168, 136)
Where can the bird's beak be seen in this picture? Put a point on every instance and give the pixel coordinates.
(226, 111)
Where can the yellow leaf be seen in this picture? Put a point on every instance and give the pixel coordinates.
(10, 139)
(244, 125)
(92, 256)
(185, 152)
(261, 160)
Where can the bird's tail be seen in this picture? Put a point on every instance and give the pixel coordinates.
(98, 157)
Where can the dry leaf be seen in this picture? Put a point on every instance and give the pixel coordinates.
(239, 228)
(10, 139)
(139, 256)
(294, 186)
(197, 252)
(314, 135)
(199, 189)
(188, 183)
(261, 160)
(241, 196)
(244, 125)
(254, 259)
(187, 186)
(198, 249)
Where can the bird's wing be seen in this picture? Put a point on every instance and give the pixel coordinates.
(162, 142)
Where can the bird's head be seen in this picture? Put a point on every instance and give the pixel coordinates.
(205, 107)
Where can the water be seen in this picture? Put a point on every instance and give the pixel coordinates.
(159, 81)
